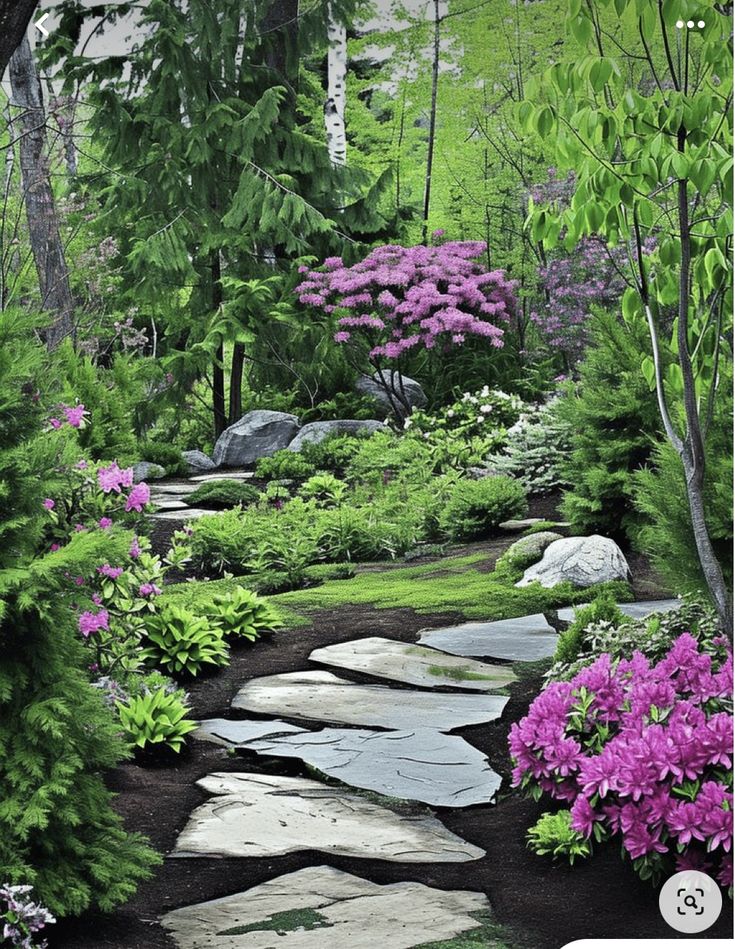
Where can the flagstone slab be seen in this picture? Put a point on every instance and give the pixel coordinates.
(260, 815)
(323, 697)
(419, 765)
(524, 638)
(169, 504)
(324, 908)
(229, 475)
(413, 665)
(186, 514)
(520, 524)
(232, 734)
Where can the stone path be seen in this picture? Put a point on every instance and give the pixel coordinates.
(170, 497)
(324, 697)
(523, 639)
(323, 908)
(413, 665)
(399, 747)
(258, 815)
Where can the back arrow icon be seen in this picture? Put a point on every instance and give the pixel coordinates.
(39, 25)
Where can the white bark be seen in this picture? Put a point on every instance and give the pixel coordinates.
(334, 107)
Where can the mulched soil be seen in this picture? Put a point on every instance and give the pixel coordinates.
(545, 906)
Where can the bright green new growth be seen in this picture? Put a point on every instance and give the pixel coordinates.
(223, 494)
(475, 508)
(242, 614)
(602, 609)
(182, 642)
(325, 489)
(155, 718)
(553, 834)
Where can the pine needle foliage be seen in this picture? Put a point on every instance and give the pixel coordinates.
(58, 831)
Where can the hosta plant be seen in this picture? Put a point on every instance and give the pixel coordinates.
(184, 643)
(156, 717)
(640, 753)
(242, 614)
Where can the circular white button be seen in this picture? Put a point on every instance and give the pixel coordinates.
(690, 901)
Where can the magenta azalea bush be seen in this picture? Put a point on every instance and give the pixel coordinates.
(401, 300)
(642, 753)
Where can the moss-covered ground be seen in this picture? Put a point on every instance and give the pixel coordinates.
(453, 584)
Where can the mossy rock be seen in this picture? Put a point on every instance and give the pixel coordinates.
(529, 550)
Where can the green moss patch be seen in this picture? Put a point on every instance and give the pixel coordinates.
(287, 922)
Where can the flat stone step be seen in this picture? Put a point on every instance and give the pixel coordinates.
(259, 815)
(232, 734)
(525, 638)
(169, 504)
(413, 665)
(523, 524)
(323, 697)
(184, 514)
(324, 908)
(231, 474)
(417, 765)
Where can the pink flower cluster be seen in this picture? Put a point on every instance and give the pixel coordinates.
(113, 478)
(93, 622)
(74, 415)
(401, 298)
(643, 750)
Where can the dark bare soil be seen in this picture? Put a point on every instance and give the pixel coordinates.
(544, 906)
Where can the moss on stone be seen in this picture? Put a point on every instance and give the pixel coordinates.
(286, 922)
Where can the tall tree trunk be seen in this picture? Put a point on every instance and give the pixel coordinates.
(43, 222)
(218, 370)
(15, 15)
(280, 26)
(334, 107)
(432, 122)
(236, 373)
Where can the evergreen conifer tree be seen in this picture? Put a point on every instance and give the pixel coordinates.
(58, 830)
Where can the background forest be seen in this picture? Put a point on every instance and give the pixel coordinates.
(436, 260)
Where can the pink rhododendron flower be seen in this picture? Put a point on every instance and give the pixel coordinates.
(104, 522)
(75, 415)
(82, 465)
(54, 423)
(49, 504)
(644, 730)
(138, 497)
(112, 572)
(148, 589)
(79, 581)
(79, 528)
(93, 622)
(113, 478)
(54, 547)
(135, 549)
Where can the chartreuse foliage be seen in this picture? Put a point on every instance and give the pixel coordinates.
(242, 614)
(182, 642)
(156, 717)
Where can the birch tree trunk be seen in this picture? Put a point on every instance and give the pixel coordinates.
(432, 122)
(43, 222)
(334, 107)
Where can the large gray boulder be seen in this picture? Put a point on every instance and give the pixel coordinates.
(316, 432)
(258, 434)
(198, 462)
(404, 385)
(582, 561)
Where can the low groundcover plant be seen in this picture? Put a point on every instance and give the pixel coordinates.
(638, 751)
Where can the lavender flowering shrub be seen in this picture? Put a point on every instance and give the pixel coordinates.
(22, 918)
(401, 300)
(639, 752)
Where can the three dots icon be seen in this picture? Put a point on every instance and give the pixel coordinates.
(690, 24)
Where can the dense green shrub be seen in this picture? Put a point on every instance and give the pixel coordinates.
(58, 830)
(613, 419)
(334, 452)
(324, 489)
(284, 465)
(223, 494)
(603, 609)
(475, 508)
(165, 454)
(182, 642)
(666, 534)
(384, 457)
(156, 717)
